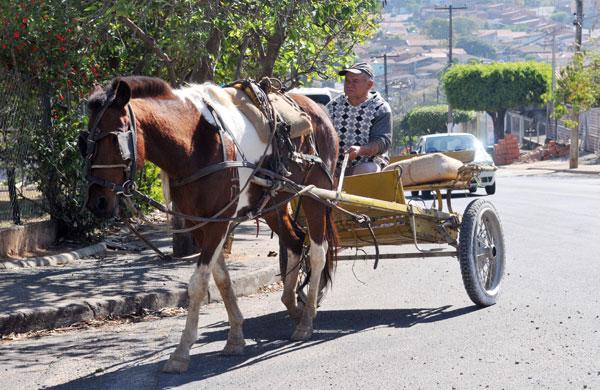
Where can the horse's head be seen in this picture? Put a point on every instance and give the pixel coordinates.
(109, 148)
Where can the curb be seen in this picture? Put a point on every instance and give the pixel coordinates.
(99, 308)
(564, 170)
(60, 259)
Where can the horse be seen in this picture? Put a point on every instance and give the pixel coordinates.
(138, 118)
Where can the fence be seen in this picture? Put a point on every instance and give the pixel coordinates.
(20, 114)
(589, 131)
(526, 129)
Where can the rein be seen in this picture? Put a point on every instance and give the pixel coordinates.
(279, 137)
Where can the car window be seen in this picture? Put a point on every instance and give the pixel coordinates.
(450, 143)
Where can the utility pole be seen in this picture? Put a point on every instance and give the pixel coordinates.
(578, 22)
(385, 57)
(385, 79)
(450, 8)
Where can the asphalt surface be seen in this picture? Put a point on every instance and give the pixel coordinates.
(124, 282)
(409, 324)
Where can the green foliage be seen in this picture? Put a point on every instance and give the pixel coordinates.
(560, 16)
(67, 47)
(429, 120)
(577, 88)
(476, 47)
(149, 183)
(497, 87)
(437, 28)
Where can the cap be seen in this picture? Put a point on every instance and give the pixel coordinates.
(361, 67)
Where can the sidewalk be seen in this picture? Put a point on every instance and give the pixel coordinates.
(124, 282)
(589, 164)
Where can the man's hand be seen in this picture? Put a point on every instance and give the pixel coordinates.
(353, 151)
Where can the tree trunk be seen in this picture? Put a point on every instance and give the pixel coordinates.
(183, 243)
(12, 193)
(498, 120)
(276, 40)
(574, 150)
(205, 69)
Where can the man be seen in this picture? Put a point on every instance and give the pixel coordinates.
(363, 120)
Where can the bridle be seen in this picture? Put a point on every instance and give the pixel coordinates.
(126, 141)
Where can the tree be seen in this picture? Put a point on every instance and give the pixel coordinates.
(577, 90)
(497, 87)
(67, 47)
(437, 28)
(476, 47)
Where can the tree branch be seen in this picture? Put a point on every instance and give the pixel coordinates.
(151, 44)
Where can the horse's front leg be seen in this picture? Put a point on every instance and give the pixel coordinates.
(212, 248)
(304, 328)
(235, 339)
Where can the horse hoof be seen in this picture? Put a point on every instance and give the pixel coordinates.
(176, 365)
(234, 348)
(301, 334)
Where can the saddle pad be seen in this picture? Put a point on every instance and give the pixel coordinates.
(430, 168)
(287, 109)
(291, 114)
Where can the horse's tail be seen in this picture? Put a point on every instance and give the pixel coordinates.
(331, 235)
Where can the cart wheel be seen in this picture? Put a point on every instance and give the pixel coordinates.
(481, 252)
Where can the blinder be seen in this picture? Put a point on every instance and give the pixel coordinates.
(126, 141)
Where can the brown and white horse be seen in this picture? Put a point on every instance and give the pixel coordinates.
(175, 129)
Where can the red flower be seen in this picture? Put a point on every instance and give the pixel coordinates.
(61, 97)
(16, 35)
(60, 37)
(23, 26)
(61, 49)
(69, 30)
(24, 20)
(4, 46)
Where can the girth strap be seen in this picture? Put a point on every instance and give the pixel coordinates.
(209, 170)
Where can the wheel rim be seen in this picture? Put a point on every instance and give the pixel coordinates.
(487, 251)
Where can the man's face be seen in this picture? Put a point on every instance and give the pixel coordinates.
(357, 85)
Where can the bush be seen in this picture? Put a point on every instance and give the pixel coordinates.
(433, 119)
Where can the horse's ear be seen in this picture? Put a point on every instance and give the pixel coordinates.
(122, 93)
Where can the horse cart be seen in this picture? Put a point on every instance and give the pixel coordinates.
(376, 212)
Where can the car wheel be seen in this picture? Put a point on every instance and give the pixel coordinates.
(490, 190)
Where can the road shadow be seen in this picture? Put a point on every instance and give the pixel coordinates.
(270, 334)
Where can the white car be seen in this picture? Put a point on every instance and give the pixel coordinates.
(458, 142)
(319, 95)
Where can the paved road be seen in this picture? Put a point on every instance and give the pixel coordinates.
(407, 325)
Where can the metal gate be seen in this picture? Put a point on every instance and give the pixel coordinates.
(20, 116)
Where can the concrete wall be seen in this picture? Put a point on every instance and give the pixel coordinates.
(19, 241)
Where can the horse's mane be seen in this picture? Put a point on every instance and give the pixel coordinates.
(141, 87)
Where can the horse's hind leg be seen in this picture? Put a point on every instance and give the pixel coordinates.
(212, 247)
(235, 339)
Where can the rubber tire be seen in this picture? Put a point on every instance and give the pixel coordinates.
(472, 218)
(490, 190)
